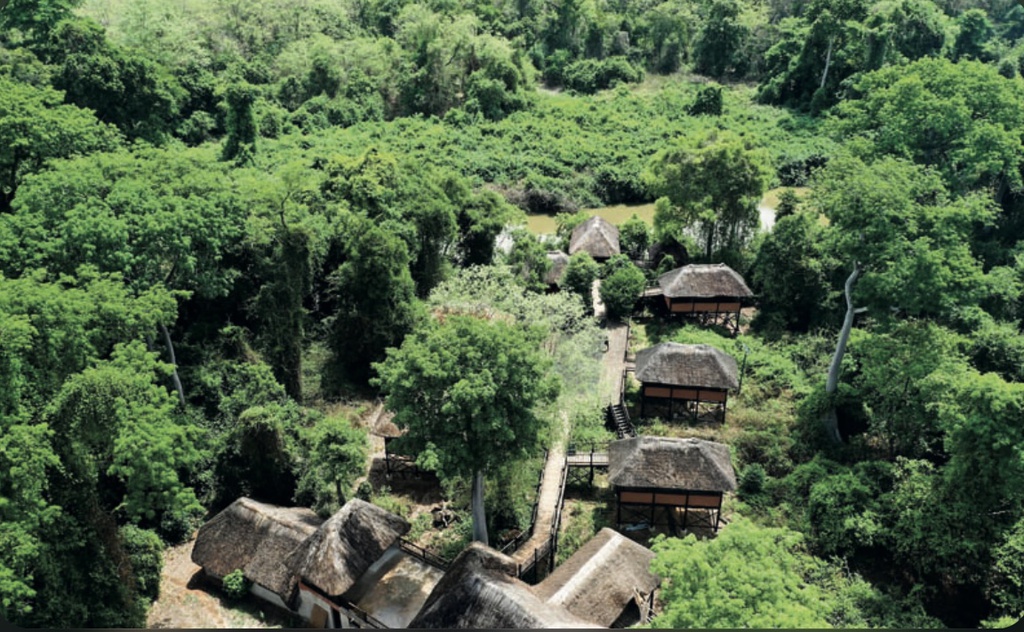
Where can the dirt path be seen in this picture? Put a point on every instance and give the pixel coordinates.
(187, 602)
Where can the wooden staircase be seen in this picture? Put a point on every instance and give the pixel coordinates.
(618, 420)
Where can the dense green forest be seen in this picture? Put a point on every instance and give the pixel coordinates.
(216, 217)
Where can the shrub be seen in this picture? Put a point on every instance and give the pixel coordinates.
(620, 290)
(708, 101)
(235, 584)
(580, 275)
(752, 480)
(145, 550)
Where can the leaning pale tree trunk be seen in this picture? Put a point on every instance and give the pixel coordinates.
(174, 364)
(830, 420)
(828, 61)
(479, 518)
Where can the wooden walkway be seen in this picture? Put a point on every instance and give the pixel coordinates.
(587, 459)
(547, 506)
(553, 483)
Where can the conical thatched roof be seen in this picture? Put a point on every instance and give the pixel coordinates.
(600, 579)
(559, 261)
(596, 236)
(704, 281)
(256, 538)
(677, 364)
(337, 554)
(664, 463)
(480, 591)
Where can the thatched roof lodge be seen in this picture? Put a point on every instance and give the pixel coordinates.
(676, 364)
(676, 475)
(607, 581)
(715, 292)
(704, 281)
(337, 554)
(559, 262)
(596, 236)
(256, 538)
(692, 374)
(480, 591)
(669, 463)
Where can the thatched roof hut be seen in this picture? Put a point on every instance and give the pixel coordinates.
(664, 463)
(337, 554)
(596, 236)
(256, 538)
(677, 364)
(480, 591)
(704, 281)
(559, 261)
(600, 581)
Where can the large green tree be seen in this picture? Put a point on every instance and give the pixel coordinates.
(465, 388)
(375, 298)
(712, 184)
(35, 127)
(963, 119)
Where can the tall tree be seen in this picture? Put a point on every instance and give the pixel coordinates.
(375, 298)
(712, 184)
(465, 388)
(35, 127)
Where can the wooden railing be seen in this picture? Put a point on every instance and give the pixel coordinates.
(512, 546)
(424, 555)
(357, 616)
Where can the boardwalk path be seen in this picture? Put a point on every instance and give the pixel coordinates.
(611, 386)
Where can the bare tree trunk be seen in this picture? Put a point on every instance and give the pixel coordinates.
(831, 421)
(174, 364)
(828, 62)
(479, 517)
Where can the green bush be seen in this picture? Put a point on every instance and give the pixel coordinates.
(708, 101)
(752, 480)
(145, 550)
(590, 75)
(235, 585)
(620, 290)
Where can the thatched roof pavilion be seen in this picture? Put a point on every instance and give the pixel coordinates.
(675, 364)
(597, 236)
(698, 377)
(604, 582)
(256, 538)
(713, 293)
(559, 261)
(677, 476)
(337, 554)
(480, 591)
(667, 463)
(704, 281)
